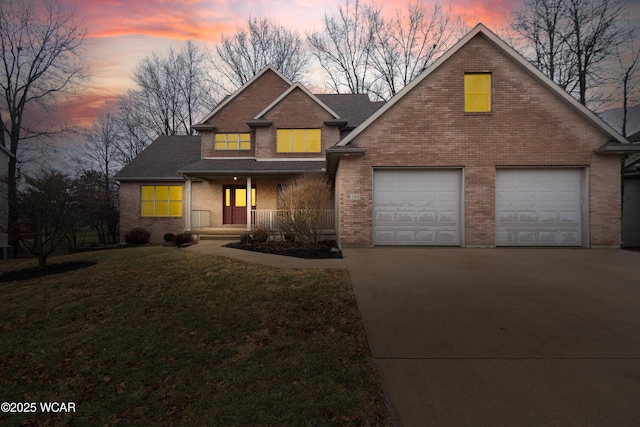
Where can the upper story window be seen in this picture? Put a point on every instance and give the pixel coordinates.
(161, 200)
(477, 93)
(232, 141)
(299, 141)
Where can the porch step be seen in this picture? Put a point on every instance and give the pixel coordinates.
(218, 233)
(219, 236)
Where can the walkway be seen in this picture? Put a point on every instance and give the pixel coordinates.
(216, 247)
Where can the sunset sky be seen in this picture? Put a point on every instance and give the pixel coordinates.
(122, 32)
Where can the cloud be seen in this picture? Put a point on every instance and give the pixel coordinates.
(188, 19)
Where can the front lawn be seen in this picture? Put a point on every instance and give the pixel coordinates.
(157, 335)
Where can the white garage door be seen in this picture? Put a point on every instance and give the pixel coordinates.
(539, 207)
(416, 207)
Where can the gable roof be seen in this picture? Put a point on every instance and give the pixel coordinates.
(161, 160)
(481, 29)
(287, 93)
(235, 94)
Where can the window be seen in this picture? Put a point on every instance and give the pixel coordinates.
(477, 93)
(299, 141)
(232, 141)
(239, 197)
(161, 200)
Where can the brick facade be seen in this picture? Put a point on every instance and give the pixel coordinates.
(130, 213)
(530, 125)
(245, 106)
(296, 111)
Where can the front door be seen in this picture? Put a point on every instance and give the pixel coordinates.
(234, 209)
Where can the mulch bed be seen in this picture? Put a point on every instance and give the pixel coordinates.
(36, 273)
(320, 250)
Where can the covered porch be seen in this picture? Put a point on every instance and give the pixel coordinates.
(226, 203)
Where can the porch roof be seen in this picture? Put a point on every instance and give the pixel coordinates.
(251, 167)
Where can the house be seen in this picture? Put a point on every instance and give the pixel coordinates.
(249, 146)
(631, 198)
(480, 150)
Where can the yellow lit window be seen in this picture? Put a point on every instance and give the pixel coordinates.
(240, 197)
(232, 141)
(161, 200)
(299, 141)
(477, 93)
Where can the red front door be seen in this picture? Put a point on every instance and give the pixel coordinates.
(234, 204)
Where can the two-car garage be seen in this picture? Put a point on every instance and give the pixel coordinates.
(533, 207)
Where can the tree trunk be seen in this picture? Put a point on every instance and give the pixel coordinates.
(13, 228)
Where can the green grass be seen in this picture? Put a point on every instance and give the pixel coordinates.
(162, 336)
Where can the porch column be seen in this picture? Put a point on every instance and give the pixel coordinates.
(248, 203)
(187, 204)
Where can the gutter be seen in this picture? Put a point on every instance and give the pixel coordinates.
(617, 148)
(334, 154)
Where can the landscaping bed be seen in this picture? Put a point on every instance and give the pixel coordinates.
(319, 250)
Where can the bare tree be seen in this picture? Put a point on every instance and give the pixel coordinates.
(100, 150)
(572, 40)
(364, 52)
(40, 60)
(198, 89)
(174, 90)
(595, 36)
(246, 52)
(345, 47)
(133, 127)
(543, 26)
(629, 78)
(46, 205)
(406, 44)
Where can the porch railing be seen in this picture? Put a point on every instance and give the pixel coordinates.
(270, 219)
(200, 219)
(266, 219)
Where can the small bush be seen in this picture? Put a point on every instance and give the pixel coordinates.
(289, 237)
(168, 238)
(260, 236)
(182, 239)
(245, 238)
(137, 236)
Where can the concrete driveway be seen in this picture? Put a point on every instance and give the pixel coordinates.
(503, 337)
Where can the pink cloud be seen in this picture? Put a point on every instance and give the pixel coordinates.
(190, 19)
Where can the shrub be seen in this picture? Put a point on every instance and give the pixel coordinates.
(245, 238)
(137, 236)
(302, 201)
(168, 238)
(260, 236)
(182, 239)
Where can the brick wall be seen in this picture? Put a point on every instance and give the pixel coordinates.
(297, 111)
(245, 106)
(130, 213)
(530, 125)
